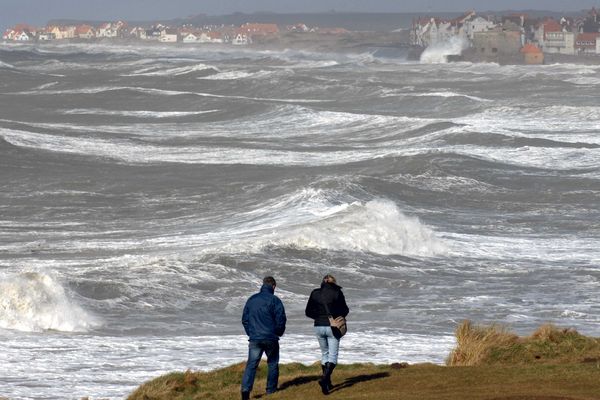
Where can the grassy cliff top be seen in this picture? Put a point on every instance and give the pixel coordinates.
(488, 363)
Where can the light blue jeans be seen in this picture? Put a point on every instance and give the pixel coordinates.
(328, 343)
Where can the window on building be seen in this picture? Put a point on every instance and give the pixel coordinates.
(494, 50)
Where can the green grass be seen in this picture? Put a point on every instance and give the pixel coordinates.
(488, 363)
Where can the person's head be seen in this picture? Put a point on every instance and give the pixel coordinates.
(269, 280)
(329, 279)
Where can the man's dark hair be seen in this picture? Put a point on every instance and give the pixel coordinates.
(269, 280)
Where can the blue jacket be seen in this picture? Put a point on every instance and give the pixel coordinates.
(264, 316)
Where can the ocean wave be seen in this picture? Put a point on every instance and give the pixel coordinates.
(235, 75)
(542, 122)
(33, 302)
(449, 94)
(439, 52)
(163, 92)
(584, 80)
(176, 71)
(6, 65)
(376, 226)
(136, 113)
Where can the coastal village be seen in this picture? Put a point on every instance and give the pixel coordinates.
(508, 39)
(245, 34)
(513, 38)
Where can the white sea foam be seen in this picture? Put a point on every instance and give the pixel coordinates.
(234, 75)
(135, 113)
(46, 86)
(449, 94)
(132, 152)
(115, 366)
(584, 80)
(5, 65)
(559, 123)
(439, 52)
(102, 89)
(176, 71)
(33, 302)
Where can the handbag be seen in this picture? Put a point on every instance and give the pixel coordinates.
(338, 324)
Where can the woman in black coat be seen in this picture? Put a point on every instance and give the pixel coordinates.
(326, 301)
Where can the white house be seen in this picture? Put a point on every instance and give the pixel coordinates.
(138, 32)
(477, 24)
(190, 38)
(22, 36)
(46, 36)
(168, 36)
(107, 30)
(559, 42)
(8, 34)
(240, 39)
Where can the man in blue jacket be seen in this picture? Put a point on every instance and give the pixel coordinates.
(264, 322)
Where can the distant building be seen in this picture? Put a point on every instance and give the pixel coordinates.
(532, 54)
(259, 29)
(22, 36)
(190, 38)
(498, 45)
(240, 39)
(478, 24)
(137, 32)
(559, 42)
(8, 34)
(168, 36)
(586, 43)
(44, 36)
(85, 32)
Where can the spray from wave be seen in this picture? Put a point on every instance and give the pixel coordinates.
(376, 226)
(438, 53)
(35, 302)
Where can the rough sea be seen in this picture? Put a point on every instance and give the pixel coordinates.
(147, 190)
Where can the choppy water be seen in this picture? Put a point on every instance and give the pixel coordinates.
(147, 190)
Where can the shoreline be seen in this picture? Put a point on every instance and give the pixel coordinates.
(393, 43)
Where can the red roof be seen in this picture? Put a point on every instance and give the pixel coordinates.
(83, 29)
(530, 49)
(552, 25)
(592, 36)
(263, 29)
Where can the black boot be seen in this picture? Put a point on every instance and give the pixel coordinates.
(329, 367)
(323, 380)
(245, 395)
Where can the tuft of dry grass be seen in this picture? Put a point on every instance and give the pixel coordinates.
(475, 342)
(494, 344)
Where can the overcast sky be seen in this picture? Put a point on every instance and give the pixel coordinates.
(38, 12)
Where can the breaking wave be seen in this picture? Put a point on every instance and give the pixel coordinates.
(309, 219)
(438, 53)
(136, 113)
(153, 71)
(377, 226)
(34, 302)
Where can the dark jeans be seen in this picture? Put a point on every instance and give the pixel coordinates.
(255, 352)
